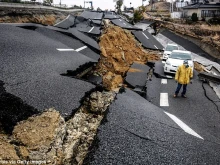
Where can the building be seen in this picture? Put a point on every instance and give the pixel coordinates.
(203, 10)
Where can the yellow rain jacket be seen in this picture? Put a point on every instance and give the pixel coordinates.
(183, 74)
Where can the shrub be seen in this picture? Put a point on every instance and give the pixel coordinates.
(194, 17)
(214, 21)
(138, 15)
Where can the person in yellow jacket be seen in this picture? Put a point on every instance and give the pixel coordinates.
(183, 75)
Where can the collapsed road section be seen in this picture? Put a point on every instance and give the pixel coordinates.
(67, 141)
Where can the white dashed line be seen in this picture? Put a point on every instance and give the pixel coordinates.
(164, 100)
(61, 21)
(91, 29)
(124, 23)
(64, 50)
(145, 35)
(155, 46)
(185, 127)
(163, 81)
(169, 76)
(119, 19)
(79, 49)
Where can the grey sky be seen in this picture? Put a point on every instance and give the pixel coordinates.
(103, 4)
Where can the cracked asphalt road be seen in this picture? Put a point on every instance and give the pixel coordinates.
(137, 132)
(31, 66)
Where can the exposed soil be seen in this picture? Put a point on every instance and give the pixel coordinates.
(119, 49)
(45, 17)
(198, 67)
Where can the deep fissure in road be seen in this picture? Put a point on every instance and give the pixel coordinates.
(13, 110)
(48, 136)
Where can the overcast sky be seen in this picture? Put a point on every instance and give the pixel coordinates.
(103, 4)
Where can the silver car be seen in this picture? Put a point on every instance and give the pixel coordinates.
(168, 50)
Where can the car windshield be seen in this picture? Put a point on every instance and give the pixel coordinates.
(181, 56)
(171, 48)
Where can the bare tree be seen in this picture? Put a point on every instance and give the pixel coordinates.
(119, 4)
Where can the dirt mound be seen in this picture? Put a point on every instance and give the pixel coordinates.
(119, 50)
(45, 17)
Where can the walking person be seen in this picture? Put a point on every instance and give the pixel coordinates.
(183, 75)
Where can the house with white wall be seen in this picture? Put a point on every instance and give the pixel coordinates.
(204, 10)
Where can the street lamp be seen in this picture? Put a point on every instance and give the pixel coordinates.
(130, 4)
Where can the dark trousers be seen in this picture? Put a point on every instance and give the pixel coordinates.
(179, 87)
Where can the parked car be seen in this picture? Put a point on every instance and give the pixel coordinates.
(176, 59)
(168, 50)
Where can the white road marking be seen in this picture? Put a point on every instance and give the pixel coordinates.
(214, 73)
(169, 76)
(145, 35)
(124, 23)
(164, 100)
(62, 20)
(155, 46)
(163, 81)
(79, 49)
(185, 127)
(65, 50)
(91, 29)
(119, 19)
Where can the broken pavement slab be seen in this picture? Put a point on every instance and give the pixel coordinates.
(147, 40)
(91, 42)
(123, 24)
(111, 16)
(137, 75)
(209, 77)
(89, 29)
(92, 15)
(38, 81)
(66, 23)
(67, 39)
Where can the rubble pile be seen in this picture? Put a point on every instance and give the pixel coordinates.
(51, 140)
(82, 129)
(119, 50)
